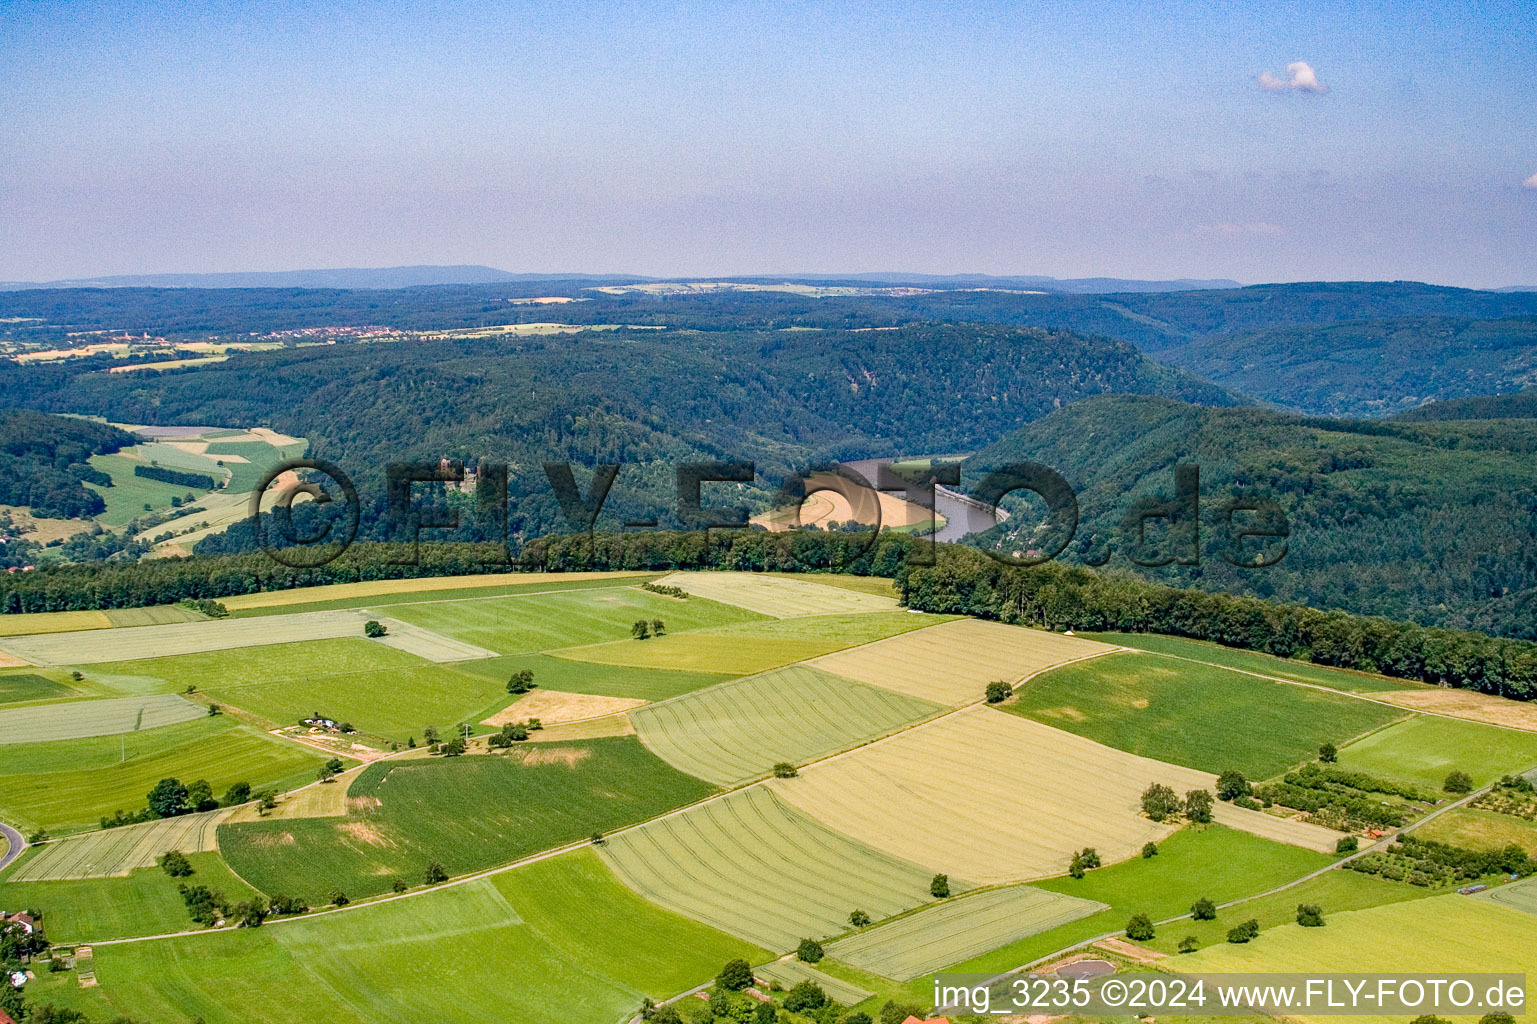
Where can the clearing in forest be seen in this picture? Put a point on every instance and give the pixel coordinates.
(953, 662)
(739, 730)
(755, 868)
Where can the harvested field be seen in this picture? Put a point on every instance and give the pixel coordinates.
(554, 707)
(1468, 704)
(790, 973)
(317, 800)
(1290, 831)
(40, 723)
(426, 585)
(739, 730)
(1520, 895)
(776, 596)
(52, 622)
(117, 851)
(958, 929)
(155, 615)
(755, 868)
(953, 662)
(591, 729)
(700, 652)
(1029, 796)
(425, 644)
(12, 661)
(140, 642)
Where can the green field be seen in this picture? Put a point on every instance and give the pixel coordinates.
(958, 929)
(1216, 862)
(1334, 893)
(464, 953)
(790, 973)
(1474, 828)
(1254, 661)
(154, 615)
(754, 647)
(468, 813)
(129, 494)
(118, 851)
(1520, 895)
(1196, 715)
(753, 867)
(1445, 933)
(1425, 748)
(739, 730)
(42, 723)
(144, 902)
(221, 752)
(517, 625)
(102, 751)
(587, 677)
(302, 601)
(16, 687)
(260, 457)
(380, 690)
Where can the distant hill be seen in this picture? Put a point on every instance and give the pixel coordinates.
(1369, 368)
(1073, 285)
(387, 277)
(43, 462)
(1519, 406)
(1431, 522)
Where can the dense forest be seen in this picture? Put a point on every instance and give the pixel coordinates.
(936, 578)
(648, 400)
(43, 462)
(1369, 367)
(1519, 406)
(1434, 522)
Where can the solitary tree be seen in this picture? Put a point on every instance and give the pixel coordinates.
(175, 864)
(1139, 928)
(1203, 909)
(859, 919)
(641, 630)
(736, 975)
(785, 770)
(1231, 785)
(373, 629)
(1149, 850)
(1198, 805)
(1309, 915)
(1243, 932)
(434, 874)
(1159, 802)
(168, 798)
(430, 735)
(237, 794)
(999, 691)
(1458, 782)
(521, 682)
(809, 951)
(1328, 753)
(1189, 944)
(658, 627)
(939, 886)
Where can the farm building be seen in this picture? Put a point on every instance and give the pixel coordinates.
(23, 921)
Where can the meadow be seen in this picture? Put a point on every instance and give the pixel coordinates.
(1196, 715)
(103, 751)
(1255, 661)
(223, 754)
(144, 902)
(518, 625)
(1520, 896)
(739, 730)
(1453, 932)
(732, 654)
(958, 929)
(1426, 747)
(778, 596)
(600, 680)
(132, 496)
(953, 662)
(18, 687)
(43, 723)
(1474, 828)
(349, 679)
(468, 813)
(1037, 795)
(751, 866)
(1215, 862)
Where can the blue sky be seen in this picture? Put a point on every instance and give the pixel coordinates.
(1130, 139)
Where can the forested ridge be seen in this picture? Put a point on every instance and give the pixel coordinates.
(44, 461)
(647, 400)
(1432, 522)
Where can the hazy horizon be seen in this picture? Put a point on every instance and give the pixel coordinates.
(1361, 142)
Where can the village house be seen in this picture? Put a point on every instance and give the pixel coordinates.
(21, 920)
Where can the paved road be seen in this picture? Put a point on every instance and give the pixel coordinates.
(14, 843)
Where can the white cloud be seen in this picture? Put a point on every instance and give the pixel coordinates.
(1530, 182)
(1303, 79)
